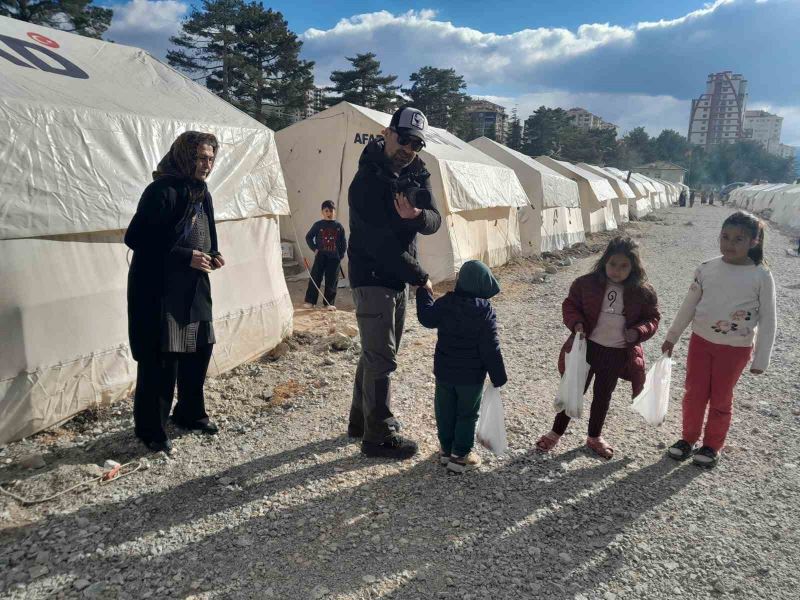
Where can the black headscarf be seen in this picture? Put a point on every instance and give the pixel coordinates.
(180, 162)
(181, 158)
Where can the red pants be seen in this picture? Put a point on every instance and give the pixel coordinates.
(712, 371)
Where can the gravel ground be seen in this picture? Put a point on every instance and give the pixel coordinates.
(282, 505)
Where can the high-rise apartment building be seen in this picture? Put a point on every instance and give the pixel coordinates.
(314, 102)
(488, 119)
(718, 115)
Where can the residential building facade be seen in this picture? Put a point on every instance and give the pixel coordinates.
(717, 116)
(488, 119)
(765, 128)
(583, 119)
(762, 127)
(783, 150)
(314, 102)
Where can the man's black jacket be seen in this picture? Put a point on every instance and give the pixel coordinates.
(383, 247)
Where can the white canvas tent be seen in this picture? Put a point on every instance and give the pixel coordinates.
(781, 200)
(673, 190)
(763, 199)
(84, 123)
(641, 204)
(662, 199)
(786, 206)
(477, 196)
(744, 197)
(625, 195)
(649, 184)
(552, 219)
(596, 194)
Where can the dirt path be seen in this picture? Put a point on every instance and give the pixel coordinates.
(281, 505)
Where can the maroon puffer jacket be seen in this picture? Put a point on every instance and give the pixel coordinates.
(583, 305)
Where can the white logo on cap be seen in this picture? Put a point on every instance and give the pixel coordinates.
(418, 121)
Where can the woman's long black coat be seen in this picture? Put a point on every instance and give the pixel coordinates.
(153, 235)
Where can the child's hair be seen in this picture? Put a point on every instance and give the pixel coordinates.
(328, 204)
(755, 227)
(626, 246)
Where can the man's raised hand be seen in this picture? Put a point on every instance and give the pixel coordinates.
(404, 208)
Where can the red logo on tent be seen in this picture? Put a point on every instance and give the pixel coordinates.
(44, 41)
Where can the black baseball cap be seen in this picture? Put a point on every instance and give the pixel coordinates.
(409, 121)
(328, 204)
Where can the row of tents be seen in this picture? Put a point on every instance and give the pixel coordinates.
(495, 201)
(779, 201)
(83, 124)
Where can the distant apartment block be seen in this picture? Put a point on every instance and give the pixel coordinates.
(762, 127)
(313, 104)
(718, 115)
(488, 119)
(783, 150)
(583, 119)
(765, 128)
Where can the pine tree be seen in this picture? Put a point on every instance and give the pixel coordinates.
(268, 69)
(544, 130)
(515, 131)
(439, 93)
(639, 144)
(364, 84)
(206, 44)
(75, 16)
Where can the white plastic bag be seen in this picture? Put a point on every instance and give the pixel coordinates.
(491, 432)
(653, 401)
(573, 382)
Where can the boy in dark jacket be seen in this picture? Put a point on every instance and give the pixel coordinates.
(329, 243)
(466, 349)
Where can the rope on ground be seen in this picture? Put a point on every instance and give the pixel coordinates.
(111, 476)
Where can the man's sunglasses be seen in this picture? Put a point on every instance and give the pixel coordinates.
(415, 143)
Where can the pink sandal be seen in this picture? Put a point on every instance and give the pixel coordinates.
(547, 442)
(600, 447)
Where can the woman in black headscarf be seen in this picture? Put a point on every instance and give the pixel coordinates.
(174, 243)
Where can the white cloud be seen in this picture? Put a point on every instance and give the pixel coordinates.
(695, 14)
(642, 74)
(148, 15)
(647, 71)
(416, 37)
(147, 24)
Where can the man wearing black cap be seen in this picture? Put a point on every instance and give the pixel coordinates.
(390, 203)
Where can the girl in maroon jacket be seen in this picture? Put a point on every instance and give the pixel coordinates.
(617, 310)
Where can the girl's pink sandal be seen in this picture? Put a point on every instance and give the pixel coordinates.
(600, 447)
(547, 442)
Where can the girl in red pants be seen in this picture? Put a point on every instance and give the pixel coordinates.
(617, 310)
(730, 298)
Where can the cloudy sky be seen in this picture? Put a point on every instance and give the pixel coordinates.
(634, 62)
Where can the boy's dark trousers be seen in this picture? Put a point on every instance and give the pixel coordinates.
(326, 265)
(456, 408)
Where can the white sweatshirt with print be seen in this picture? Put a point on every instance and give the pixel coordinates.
(726, 304)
